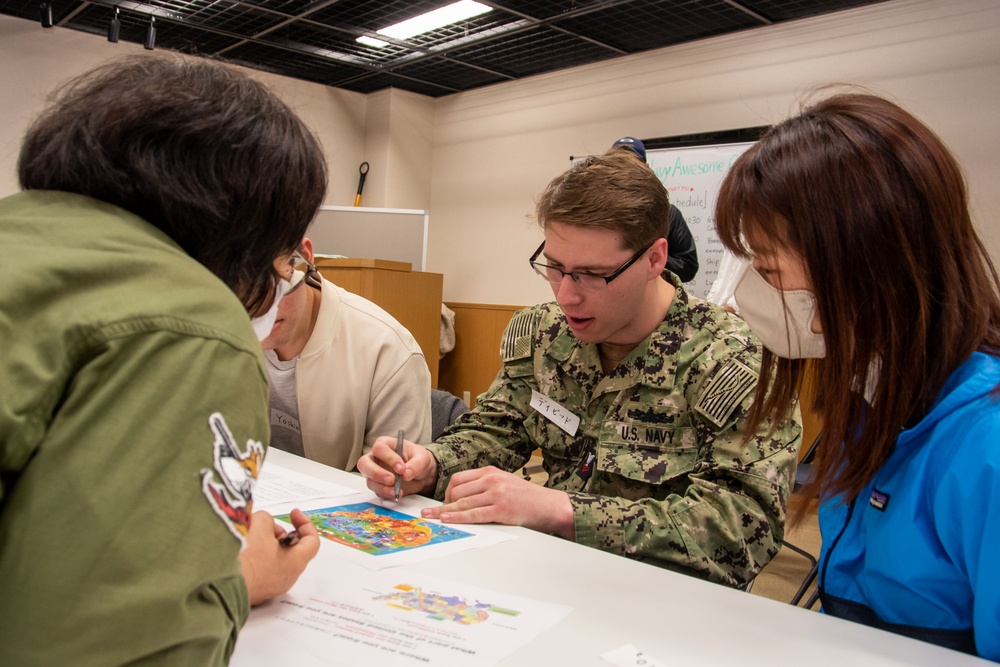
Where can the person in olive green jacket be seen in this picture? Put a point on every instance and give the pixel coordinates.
(163, 199)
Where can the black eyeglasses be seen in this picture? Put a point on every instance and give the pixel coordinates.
(583, 280)
(311, 275)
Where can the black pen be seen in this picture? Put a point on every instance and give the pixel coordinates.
(399, 453)
(291, 538)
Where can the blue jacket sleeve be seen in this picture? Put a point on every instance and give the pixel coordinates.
(968, 511)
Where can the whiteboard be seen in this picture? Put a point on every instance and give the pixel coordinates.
(692, 176)
(397, 234)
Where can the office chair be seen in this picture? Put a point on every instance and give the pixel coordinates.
(801, 477)
(445, 409)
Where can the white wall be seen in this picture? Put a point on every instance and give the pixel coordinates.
(36, 60)
(398, 145)
(496, 148)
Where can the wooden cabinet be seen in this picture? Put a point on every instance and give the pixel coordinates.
(412, 297)
(475, 361)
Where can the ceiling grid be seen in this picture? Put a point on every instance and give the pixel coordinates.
(317, 41)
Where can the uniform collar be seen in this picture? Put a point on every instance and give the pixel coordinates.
(650, 363)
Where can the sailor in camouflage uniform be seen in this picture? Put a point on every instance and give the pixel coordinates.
(635, 392)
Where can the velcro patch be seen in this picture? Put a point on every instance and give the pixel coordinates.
(516, 342)
(231, 497)
(725, 391)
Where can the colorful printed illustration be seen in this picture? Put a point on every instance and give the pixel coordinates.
(439, 607)
(232, 499)
(377, 530)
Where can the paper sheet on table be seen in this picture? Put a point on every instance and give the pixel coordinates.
(391, 619)
(280, 486)
(376, 533)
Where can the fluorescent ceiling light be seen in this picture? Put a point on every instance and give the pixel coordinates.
(453, 13)
(371, 41)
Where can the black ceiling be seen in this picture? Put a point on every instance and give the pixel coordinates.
(315, 40)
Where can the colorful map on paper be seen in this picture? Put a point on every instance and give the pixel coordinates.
(376, 530)
(357, 616)
(439, 607)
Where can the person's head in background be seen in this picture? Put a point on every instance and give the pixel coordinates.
(857, 209)
(605, 220)
(199, 149)
(634, 145)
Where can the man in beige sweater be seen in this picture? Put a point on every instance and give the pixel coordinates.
(343, 371)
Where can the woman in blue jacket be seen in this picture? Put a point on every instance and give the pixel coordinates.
(856, 220)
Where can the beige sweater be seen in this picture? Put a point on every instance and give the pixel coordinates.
(361, 375)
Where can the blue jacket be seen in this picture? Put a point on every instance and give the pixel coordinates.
(918, 552)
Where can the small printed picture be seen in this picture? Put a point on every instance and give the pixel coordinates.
(376, 530)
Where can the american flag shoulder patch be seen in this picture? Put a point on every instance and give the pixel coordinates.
(731, 384)
(516, 342)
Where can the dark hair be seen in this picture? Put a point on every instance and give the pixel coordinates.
(614, 191)
(876, 206)
(198, 149)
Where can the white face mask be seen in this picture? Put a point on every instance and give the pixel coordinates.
(784, 325)
(262, 325)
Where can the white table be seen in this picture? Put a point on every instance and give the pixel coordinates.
(676, 619)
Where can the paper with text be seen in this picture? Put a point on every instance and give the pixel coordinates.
(391, 619)
(280, 486)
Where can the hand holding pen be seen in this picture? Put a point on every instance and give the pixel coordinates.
(398, 485)
(396, 467)
(269, 565)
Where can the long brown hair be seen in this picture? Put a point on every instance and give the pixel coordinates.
(876, 206)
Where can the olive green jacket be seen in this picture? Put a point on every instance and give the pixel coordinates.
(130, 386)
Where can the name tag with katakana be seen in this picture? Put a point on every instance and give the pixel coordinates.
(555, 413)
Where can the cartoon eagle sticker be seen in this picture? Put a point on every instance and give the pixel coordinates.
(232, 499)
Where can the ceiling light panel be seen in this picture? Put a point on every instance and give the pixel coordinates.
(372, 42)
(367, 16)
(438, 18)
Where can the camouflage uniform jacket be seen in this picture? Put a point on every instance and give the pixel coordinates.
(656, 469)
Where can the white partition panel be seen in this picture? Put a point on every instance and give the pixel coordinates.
(397, 234)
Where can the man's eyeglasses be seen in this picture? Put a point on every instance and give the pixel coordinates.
(583, 280)
(311, 275)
